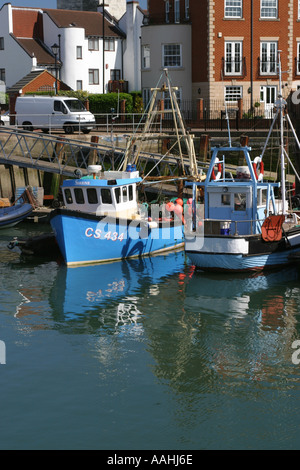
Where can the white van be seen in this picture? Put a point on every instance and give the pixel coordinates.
(53, 112)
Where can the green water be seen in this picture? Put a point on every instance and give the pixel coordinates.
(146, 354)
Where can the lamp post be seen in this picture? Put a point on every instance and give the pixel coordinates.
(55, 49)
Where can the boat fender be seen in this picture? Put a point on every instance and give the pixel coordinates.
(217, 176)
(258, 165)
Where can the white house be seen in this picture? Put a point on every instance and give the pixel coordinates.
(93, 52)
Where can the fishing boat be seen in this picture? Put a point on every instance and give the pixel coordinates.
(12, 214)
(245, 223)
(102, 219)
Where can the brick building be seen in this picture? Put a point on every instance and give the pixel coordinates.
(233, 44)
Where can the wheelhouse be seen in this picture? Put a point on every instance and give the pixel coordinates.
(113, 194)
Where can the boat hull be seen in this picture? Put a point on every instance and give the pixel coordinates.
(238, 253)
(88, 239)
(12, 215)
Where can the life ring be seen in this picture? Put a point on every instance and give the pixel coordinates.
(217, 176)
(258, 164)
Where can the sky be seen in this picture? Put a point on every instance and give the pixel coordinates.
(46, 3)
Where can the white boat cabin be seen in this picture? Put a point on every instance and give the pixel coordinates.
(111, 193)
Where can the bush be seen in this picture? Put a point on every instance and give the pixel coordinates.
(102, 104)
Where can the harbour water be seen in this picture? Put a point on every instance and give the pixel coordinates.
(146, 354)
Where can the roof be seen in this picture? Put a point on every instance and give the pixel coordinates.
(30, 77)
(24, 81)
(90, 21)
(35, 48)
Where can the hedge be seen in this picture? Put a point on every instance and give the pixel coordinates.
(103, 103)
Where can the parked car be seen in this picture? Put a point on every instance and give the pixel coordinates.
(4, 119)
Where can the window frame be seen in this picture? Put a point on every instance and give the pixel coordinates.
(230, 5)
(264, 7)
(109, 44)
(146, 62)
(95, 74)
(235, 58)
(165, 56)
(266, 66)
(234, 96)
(176, 11)
(93, 44)
(78, 52)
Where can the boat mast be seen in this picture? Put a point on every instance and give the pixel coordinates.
(280, 104)
(178, 123)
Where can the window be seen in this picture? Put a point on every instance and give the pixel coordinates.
(167, 11)
(130, 191)
(68, 196)
(225, 199)
(2, 75)
(1, 44)
(79, 195)
(171, 55)
(92, 195)
(233, 8)
(78, 52)
(124, 194)
(59, 107)
(298, 58)
(106, 196)
(115, 74)
(78, 84)
(187, 9)
(118, 195)
(233, 58)
(109, 44)
(240, 201)
(93, 76)
(146, 57)
(268, 54)
(146, 96)
(268, 9)
(233, 93)
(177, 11)
(93, 44)
(167, 100)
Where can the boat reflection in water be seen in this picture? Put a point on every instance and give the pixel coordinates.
(90, 289)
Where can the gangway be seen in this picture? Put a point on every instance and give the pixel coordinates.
(65, 156)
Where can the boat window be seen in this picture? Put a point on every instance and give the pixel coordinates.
(68, 196)
(106, 196)
(124, 193)
(240, 201)
(118, 195)
(225, 198)
(79, 195)
(130, 188)
(92, 195)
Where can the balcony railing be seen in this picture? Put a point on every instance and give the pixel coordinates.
(234, 67)
(267, 67)
(118, 85)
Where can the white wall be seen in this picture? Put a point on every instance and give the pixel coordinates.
(16, 62)
(74, 69)
(131, 24)
(157, 35)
